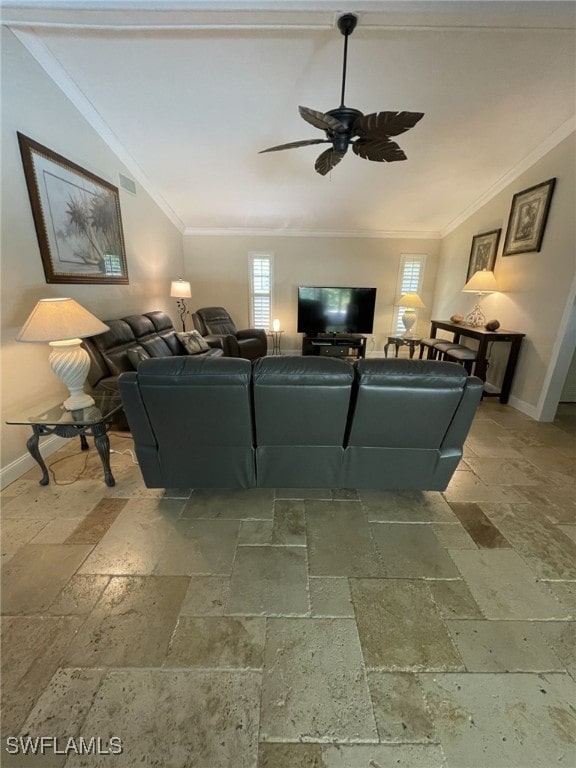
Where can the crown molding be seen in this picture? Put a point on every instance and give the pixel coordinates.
(271, 232)
(62, 79)
(38, 50)
(541, 150)
(273, 14)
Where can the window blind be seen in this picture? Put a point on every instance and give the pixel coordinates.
(409, 281)
(260, 265)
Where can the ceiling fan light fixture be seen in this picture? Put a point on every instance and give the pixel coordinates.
(369, 135)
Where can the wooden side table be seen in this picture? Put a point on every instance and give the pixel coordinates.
(402, 341)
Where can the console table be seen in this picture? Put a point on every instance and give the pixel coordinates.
(53, 419)
(333, 345)
(485, 338)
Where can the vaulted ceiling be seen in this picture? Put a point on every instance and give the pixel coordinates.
(187, 93)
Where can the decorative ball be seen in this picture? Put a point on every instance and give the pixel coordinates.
(457, 318)
(493, 325)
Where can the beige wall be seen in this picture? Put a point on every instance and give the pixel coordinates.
(33, 105)
(536, 287)
(217, 268)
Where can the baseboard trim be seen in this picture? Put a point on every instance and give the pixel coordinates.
(523, 407)
(22, 464)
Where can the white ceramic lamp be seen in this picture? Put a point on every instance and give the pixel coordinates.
(63, 323)
(410, 302)
(180, 290)
(481, 282)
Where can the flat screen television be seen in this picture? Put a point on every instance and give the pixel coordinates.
(335, 310)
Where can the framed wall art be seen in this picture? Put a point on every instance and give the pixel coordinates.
(527, 220)
(77, 219)
(483, 252)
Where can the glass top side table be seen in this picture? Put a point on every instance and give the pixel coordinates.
(51, 418)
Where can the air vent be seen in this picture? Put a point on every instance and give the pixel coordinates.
(128, 184)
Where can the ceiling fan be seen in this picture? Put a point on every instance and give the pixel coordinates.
(369, 135)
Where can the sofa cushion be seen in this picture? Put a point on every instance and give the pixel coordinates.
(191, 417)
(217, 321)
(113, 344)
(416, 399)
(300, 410)
(193, 342)
(156, 333)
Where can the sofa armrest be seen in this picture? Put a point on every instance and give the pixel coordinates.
(226, 342)
(252, 333)
(145, 443)
(460, 426)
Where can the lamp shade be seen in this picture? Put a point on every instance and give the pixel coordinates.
(59, 320)
(180, 289)
(482, 281)
(62, 323)
(410, 300)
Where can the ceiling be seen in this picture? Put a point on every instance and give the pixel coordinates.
(187, 93)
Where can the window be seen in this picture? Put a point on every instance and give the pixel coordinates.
(409, 281)
(260, 265)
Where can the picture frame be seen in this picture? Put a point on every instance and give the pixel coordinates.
(77, 219)
(483, 251)
(527, 220)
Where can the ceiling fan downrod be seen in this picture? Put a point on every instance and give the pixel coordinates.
(346, 25)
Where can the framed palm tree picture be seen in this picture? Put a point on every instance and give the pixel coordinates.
(77, 219)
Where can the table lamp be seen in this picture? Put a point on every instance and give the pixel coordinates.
(481, 282)
(411, 302)
(180, 290)
(63, 323)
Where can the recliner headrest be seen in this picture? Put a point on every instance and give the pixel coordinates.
(428, 374)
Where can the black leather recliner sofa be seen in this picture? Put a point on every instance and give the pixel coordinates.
(152, 333)
(299, 422)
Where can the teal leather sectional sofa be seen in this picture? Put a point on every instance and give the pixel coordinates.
(299, 422)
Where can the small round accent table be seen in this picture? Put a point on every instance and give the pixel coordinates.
(402, 341)
(276, 337)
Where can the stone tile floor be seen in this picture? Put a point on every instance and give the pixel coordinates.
(297, 629)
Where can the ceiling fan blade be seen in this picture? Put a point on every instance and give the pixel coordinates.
(380, 150)
(327, 160)
(320, 120)
(294, 144)
(386, 123)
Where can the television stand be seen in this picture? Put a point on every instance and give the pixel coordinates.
(344, 346)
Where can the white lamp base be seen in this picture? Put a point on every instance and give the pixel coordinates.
(71, 363)
(408, 320)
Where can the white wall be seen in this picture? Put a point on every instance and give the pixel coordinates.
(217, 268)
(537, 288)
(33, 105)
